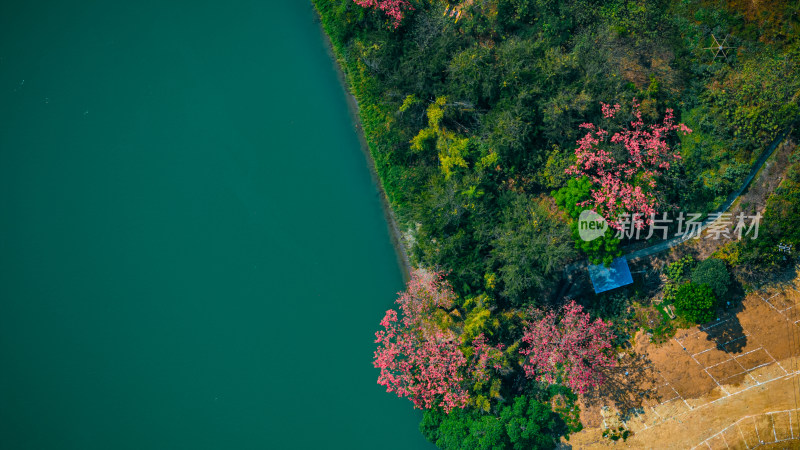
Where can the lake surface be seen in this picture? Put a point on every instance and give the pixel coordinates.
(192, 251)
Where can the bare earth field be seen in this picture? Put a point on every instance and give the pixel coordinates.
(733, 383)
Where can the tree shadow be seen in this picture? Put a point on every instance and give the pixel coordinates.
(572, 286)
(779, 280)
(771, 279)
(628, 386)
(646, 277)
(726, 331)
(728, 335)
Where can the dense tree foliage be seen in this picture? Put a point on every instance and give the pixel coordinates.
(523, 424)
(529, 249)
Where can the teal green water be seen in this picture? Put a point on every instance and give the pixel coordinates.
(192, 252)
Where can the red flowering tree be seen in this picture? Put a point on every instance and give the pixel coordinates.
(570, 346)
(418, 354)
(427, 370)
(624, 167)
(395, 9)
(418, 359)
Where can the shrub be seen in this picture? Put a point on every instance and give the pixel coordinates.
(695, 302)
(676, 271)
(676, 274)
(601, 250)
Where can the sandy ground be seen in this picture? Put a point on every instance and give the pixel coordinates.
(733, 383)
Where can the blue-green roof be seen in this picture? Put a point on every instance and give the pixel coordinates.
(607, 278)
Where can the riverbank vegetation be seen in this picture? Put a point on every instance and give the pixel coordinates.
(494, 123)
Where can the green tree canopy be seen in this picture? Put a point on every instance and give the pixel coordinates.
(713, 272)
(530, 248)
(600, 250)
(524, 424)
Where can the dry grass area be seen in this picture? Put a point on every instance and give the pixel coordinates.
(733, 383)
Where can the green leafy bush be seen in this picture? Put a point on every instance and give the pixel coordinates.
(695, 302)
(524, 424)
(616, 434)
(676, 275)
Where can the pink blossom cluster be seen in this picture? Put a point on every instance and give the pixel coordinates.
(421, 363)
(571, 345)
(626, 183)
(608, 110)
(395, 9)
(427, 370)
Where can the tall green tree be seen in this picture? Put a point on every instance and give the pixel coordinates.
(713, 272)
(531, 247)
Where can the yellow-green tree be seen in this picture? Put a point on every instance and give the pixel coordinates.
(452, 148)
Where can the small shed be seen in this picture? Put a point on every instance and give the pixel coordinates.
(604, 278)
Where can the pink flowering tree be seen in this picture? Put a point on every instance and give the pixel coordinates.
(568, 348)
(624, 167)
(417, 359)
(426, 370)
(420, 354)
(395, 9)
